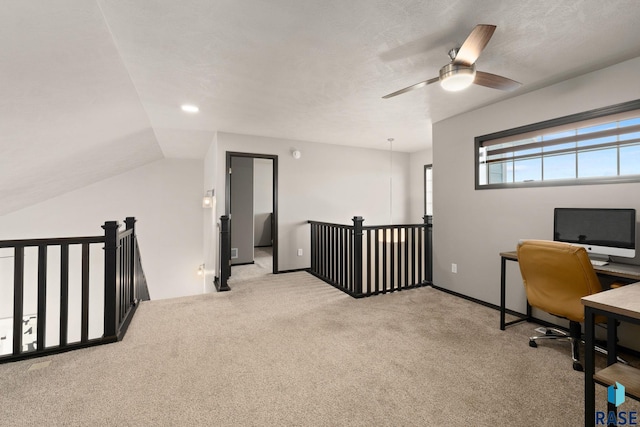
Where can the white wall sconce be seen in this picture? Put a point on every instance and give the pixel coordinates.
(208, 199)
(296, 154)
(201, 270)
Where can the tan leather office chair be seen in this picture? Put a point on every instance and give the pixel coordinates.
(556, 275)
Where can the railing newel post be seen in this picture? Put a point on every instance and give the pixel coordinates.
(428, 247)
(225, 253)
(357, 254)
(110, 279)
(18, 298)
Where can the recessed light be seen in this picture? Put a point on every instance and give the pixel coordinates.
(190, 108)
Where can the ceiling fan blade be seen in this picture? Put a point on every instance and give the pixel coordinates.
(412, 87)
(474, 44)
(496, 82)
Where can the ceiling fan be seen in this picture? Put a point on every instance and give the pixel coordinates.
(461, 72)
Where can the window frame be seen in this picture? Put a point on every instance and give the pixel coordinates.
(424, 174)
(540, 126)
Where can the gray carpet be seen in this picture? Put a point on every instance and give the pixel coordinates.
(289, 349)
(262, 266)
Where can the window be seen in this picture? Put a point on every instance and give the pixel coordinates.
(428, 190)
(598, 146)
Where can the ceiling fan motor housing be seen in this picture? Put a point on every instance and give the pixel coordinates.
(454, 77)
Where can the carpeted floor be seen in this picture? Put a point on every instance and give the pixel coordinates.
(262, 266)
(291, 350)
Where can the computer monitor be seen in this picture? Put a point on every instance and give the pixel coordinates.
(601, 231)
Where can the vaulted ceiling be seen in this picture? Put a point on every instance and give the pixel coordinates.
(91, 88)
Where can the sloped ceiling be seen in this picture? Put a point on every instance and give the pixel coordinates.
(69, 113)
(92, 88)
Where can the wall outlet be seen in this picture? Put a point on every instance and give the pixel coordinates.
(454, 268)
(299, 252)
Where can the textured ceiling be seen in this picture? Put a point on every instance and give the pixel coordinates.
(93, 88)
(316, 70)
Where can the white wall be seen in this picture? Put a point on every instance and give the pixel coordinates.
(165, 197)
(210, 218)
(471, 227)
(329, 183)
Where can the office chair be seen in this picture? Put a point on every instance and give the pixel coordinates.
(556, 276)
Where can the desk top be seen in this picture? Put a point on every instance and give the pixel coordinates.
(624, 301)
(510, 255)
(613, 269)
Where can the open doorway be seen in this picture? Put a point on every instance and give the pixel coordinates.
(251, 203)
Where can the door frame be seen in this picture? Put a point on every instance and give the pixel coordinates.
(274, 230)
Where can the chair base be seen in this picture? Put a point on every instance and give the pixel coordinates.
(574, 337)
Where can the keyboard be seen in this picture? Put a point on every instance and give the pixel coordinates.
(599, 263)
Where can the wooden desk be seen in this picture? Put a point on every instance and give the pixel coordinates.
(625, 272)
(621, 304)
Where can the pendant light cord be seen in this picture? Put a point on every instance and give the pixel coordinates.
(390, 181)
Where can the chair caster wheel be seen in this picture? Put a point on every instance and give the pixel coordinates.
(533, 344)
(577, 366)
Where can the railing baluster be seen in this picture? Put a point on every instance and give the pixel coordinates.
(122, 250)
(377, 259)
(396, 243)
(124, 283)
(334, 245)
(42, 296)
(419, 260)
(413, 255)
(130, 225)
(348, 234)
(406, 257)
(315, 253)
(84, 330)
(384, 260)
(398, 246)
(341, 251)
(324, 255)
(64, 293)
(368, 261)
(392, 257)
(18, 298)
(320, 267)
(328, 252)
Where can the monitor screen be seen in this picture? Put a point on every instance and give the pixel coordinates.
(601, 231)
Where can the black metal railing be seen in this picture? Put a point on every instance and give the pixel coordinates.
(124, 286)
(369, 260)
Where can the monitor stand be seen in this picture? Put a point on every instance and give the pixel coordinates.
(599, 259)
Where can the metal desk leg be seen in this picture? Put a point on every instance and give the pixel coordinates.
(612, 352)
(589, 368)
(503, 302)
(612, 341)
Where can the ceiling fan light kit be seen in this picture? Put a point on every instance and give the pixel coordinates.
(455, 77)
(460, 73)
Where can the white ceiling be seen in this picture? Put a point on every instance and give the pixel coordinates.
(92, 88)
